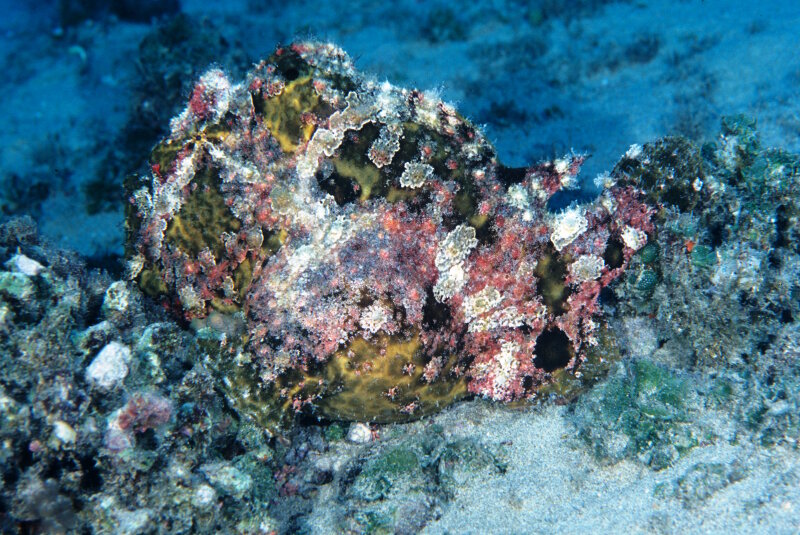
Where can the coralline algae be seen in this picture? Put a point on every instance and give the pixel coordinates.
(356, 249)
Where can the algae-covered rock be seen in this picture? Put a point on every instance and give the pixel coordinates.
(106, 410)
(671, 171)
(400, 484)
(725, 276)
(398, 467)
(641, 411)
(703, 480)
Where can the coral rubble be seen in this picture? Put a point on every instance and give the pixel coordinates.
(109, 422)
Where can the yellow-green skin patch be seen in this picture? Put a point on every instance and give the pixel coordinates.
(551, 271)
(203, 218)
(388, 373)
(199, 224)
(283, 114)
(379, 380)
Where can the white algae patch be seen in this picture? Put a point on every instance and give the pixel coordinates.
(567, 226)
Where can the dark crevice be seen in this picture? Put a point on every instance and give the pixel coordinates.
(435, 315)
(147, 440)
(228, 447)
(782, 225)
(607, 297)
(553, 350)
(112, 263)
(613, 256)
(341, 188)
(527, 383)
(508, 176)
(716, 233)
(91, 480)
(289, 64)
(291, 74)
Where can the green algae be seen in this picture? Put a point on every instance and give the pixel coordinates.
(703, 256)
(649, 253)
(422, 467)
(641, 411)
(646, 282)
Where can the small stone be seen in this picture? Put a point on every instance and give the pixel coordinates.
(204, 496)
(117, 299)
(118, 439)
(5, 315)
(359, 433)
(16, 285)
(64, 432)
(94, 337)
(131, 522)
(260, 523)
(110, 367)
(179, 473)
(22, 264)
(227, 478)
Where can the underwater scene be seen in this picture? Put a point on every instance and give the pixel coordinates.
(497, 267)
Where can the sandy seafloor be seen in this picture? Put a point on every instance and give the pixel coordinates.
(588, 76)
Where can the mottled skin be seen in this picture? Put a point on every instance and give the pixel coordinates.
(365, 252)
